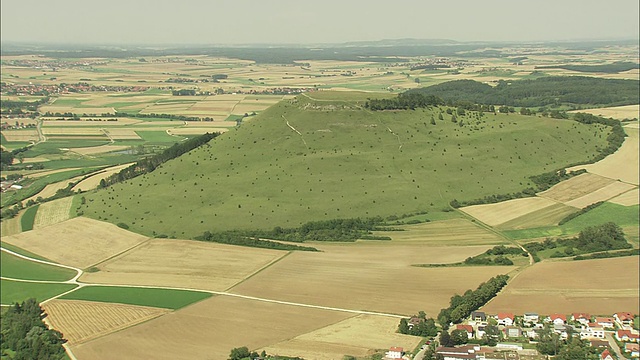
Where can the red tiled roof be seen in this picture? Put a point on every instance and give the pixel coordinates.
(624, 316)
(605, 354)
(628, 347)
(558, 316)
(581, 316)
(395, 348)
(468, 328)
(604, 319)
(506, 315)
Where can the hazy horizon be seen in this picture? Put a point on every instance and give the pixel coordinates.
(287, 22)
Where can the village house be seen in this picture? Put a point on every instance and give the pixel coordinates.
(466, 328)
(557, 319)
(512, 332)
(623, 319)
(632, 349)
(480, 331)
(531, 318)
(394, 353)
(531, 333)
(505, 319)
(582, 318)
(459, 353)
(627, 335)
(563, 330)
(606, 355)
(605, 322)
(592, 331)
(478, 316)
(604, 344)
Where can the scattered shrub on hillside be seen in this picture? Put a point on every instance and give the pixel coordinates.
(123, 226)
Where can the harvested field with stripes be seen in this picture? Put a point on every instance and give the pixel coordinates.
(53, 212)
(21, 135)
(81, 321)
(570, 286)
(51, 189)
(92, 241)
(93, 181)
(362, 276)
(548, 216)
(184, 263)
(499, 213)
(622, 165)
(612, 190)
(209, 329)
(92, 150)
(616, 112)
(457, 232)
(355, 336)
(629, 198)
(576, 187)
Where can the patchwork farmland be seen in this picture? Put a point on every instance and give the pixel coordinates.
(299, 145)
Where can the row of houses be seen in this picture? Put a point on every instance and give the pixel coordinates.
(623, 320)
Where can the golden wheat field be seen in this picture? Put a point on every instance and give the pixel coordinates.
(79, 242)
(621, 165)
(184, 263)
(602, 286)
(356, 336)
(81, 321)
(502, 212)
(209, 329)
(361, 278)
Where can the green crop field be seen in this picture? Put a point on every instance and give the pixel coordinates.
(27, 219)
(17, 268)
(162, 298)
(17, 291)
(304, 160)
(156, 137)
(21, 251)
(607, 212)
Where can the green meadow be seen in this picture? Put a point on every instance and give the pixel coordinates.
(304, 160)
(17, 268)
(29, 216)
(162, 298)
(607, 212)
(17, 291)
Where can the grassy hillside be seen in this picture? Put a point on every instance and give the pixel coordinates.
(305, 159)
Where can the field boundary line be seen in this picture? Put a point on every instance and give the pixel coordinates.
(118, 254)
(272, 262)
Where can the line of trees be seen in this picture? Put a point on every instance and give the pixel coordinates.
(461, 306)
(404, 101)
(242, 239)
(24, 333)
(327, 230)
(149, 164)
(543, 91)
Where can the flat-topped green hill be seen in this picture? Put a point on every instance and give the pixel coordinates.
(322, 156)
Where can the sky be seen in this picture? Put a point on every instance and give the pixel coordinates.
(225, 22)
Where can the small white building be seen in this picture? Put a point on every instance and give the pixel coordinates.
(395, 353)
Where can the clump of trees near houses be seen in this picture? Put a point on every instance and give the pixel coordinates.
(149, 164)
(24, 333)
(461, 306)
